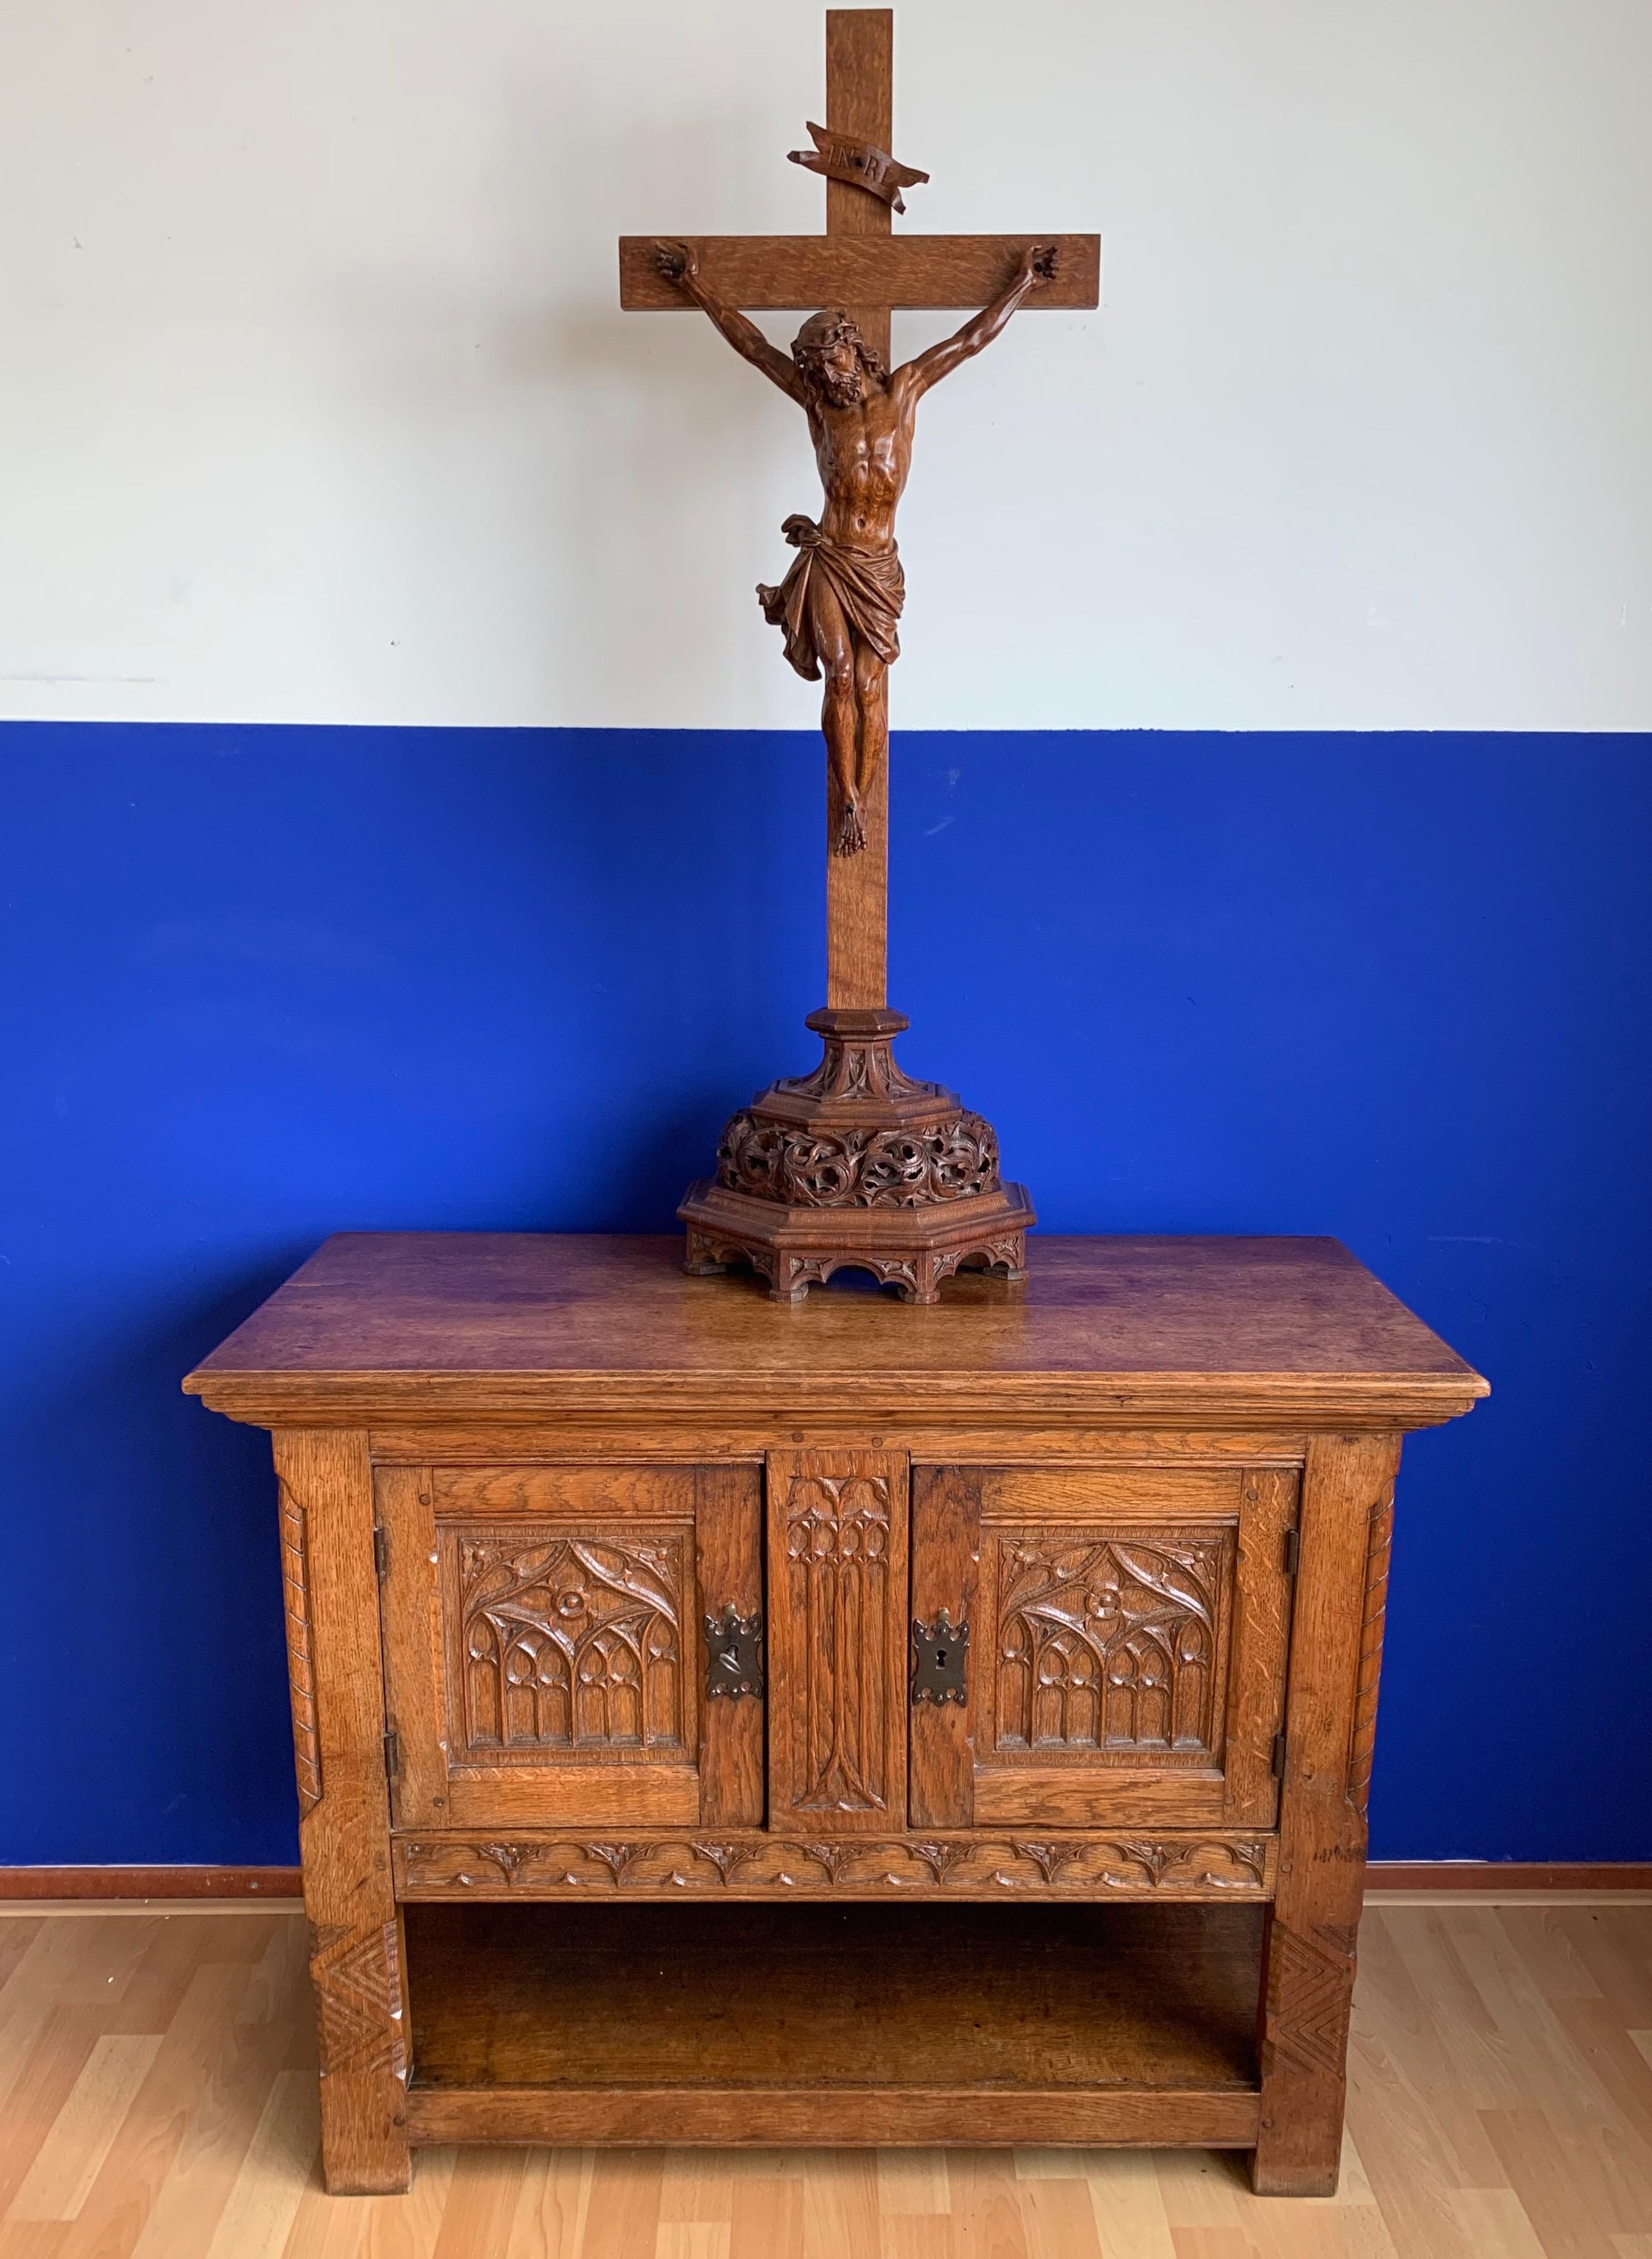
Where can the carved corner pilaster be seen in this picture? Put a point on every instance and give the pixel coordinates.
(1363, 1741)
(301, 1669)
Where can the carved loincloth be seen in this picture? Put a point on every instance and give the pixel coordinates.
(869, 585)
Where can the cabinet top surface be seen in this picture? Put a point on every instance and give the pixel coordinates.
(418, 1321)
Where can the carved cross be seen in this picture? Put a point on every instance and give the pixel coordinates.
(861, 264)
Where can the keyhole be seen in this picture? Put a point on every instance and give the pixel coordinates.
(940, 1658)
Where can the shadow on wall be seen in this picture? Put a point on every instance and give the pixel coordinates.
(268, 984)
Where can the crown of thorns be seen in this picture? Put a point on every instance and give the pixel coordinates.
(822, 331)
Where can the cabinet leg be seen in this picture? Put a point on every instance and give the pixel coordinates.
(1307, 1985)
(356, 1961)
(1307, 1994)
(361, 2019)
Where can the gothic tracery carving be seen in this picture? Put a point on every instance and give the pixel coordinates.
(811, 1166)
(572, 1645)
(838, 1556)
(1109, 1644)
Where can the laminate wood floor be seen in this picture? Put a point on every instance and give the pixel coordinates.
(157, 2101)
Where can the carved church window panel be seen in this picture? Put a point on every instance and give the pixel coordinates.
(1111, 1645)
(838, 1556)
(838, 1638)
(568, 1647)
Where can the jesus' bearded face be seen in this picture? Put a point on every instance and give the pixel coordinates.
(833, 356)
(840, 377)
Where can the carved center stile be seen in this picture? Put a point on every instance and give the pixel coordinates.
(838, 1556)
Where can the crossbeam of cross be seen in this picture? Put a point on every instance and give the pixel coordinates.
(859, 264)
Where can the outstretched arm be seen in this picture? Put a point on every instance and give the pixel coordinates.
(1038, 266)
(679, 265)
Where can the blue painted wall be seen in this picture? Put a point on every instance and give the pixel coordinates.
(264, 983)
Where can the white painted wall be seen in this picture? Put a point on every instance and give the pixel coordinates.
(316, 403)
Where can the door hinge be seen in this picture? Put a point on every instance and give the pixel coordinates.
(392, 1753)
(380, 1551)
(1277, 1763)
(1292, 1551)
(734, 1653)
(940, 1661)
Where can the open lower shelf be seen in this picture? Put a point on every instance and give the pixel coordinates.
(810, 2022)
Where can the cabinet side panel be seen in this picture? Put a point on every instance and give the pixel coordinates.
(838, 1639)
(729, 1526)
(946, 1542)
(344, 1832)
(1335, 1644)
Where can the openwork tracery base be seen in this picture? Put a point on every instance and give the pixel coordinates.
(856, 1167)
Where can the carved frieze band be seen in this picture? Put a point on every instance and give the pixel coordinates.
(1371, 1654)
(359, 2011)
(300, 1673)
(763, 1866)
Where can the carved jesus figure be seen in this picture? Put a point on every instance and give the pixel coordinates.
(839, 605)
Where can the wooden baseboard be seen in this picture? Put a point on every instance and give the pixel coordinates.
(43, 1882)
(1493, 1876)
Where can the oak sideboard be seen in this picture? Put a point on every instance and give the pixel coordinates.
(723, 1722)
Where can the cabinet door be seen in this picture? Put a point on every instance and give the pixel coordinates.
(1127, 1645)
(545, 1650)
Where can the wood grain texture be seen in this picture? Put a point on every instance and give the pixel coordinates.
(1108, 1334)
(355, 1959)
(838, 1640)
(729, 1529)
(913, 272)
(1347, 1499)
(946, 1540)
(1263, 1597)
(860, 102)
(572, 1441)
(707, 1994)
(765, 2118)
(561, 1493)
(1494, 2111)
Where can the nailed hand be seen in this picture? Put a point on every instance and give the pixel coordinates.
(676, 262)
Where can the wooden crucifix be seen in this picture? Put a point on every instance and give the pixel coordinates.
(856, 1166)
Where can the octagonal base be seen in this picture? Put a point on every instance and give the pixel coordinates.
(912, 1249)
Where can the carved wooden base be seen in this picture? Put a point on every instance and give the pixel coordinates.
(857, 1166)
